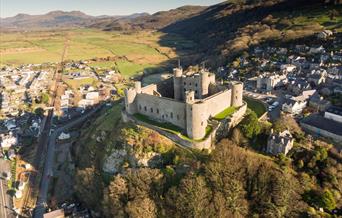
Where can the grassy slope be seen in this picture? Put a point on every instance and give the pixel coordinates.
(224, 31)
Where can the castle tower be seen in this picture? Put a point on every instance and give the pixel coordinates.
(195, 117)
(130, 106)
(237, 91)
(177, 83)
(205, 81)
(137, 86)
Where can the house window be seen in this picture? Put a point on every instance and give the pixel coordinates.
(145, 108)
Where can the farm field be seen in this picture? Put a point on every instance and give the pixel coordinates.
(137, 51)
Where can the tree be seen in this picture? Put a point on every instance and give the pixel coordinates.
(328, 200)
(45, 98)
(39, 111)
(250, 125)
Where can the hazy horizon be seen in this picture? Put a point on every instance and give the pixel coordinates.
(10, 8)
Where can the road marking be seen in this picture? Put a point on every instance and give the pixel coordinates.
(3, 199)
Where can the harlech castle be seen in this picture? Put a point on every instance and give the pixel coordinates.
(189, 100)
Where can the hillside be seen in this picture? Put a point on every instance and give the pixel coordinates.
(146, 21)
(227, 29)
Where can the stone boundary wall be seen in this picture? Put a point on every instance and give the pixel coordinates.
(229, 123)
(207, 143)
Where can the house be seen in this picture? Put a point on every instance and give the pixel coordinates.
(8, 140)
(324, 34)
(317, 77)
(269, 81)
(288, 67)
(293, 106)
(334, 113)
(329, 125)
(64, 136)
(318, 102)
(298, 86)
(92, 95)
(279, 143)
(317, 50)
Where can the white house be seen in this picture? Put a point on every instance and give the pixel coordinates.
(294, 107)
(8, 140)
(92, 95)
(288, 67)
(64, 136)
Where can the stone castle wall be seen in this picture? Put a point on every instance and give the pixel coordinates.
(163, 109)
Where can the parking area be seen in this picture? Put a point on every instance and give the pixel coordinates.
(273, 102)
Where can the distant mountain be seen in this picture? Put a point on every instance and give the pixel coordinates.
(59, 19)
(146, 21)
(53, 19)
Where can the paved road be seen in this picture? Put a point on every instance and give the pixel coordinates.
(49, 161)
(5, 199)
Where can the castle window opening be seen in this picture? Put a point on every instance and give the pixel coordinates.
(145, 108)
(151, 110)
(196, 84)
(185, 83)
(171, 115)
(140, 107)
(177, 117)
(157, 111)
(202, 123)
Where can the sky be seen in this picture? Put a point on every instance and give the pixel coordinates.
(10, 8)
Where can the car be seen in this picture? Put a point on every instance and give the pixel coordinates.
(275, 104)
(7, 175)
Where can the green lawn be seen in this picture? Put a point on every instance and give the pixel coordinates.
(77, 83)
(169, 127)
(227, 112)
(129, 69)
(255, 106)
(166, 126)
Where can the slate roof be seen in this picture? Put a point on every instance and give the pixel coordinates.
(323, 123)
(335, 110)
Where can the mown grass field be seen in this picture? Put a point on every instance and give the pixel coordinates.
(137, 51)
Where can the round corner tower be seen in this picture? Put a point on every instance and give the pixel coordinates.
(237, 91)
(195, 117)
(177, 83)
(130, 95)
